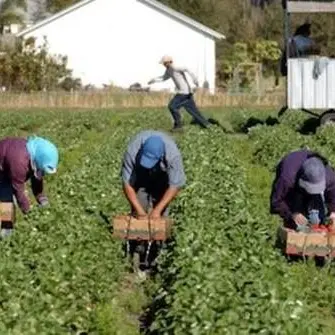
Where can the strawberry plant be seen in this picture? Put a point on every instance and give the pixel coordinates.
(62, 272)
(222, 275)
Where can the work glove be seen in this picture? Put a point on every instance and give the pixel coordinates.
(313, 217)
(299, 219)
(304, 228)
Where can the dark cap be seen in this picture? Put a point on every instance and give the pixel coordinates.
(313, 178)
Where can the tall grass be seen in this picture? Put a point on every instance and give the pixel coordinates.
(107, 99)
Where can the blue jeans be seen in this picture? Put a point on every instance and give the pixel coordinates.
(186, 101)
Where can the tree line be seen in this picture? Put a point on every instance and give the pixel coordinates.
(254, 31)
(253, 28)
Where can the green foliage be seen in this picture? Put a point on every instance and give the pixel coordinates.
(244, 56)
(265, 51)
(222, 274)
(29, 68)
(61, 271)
(271, 143)
(242, 23)
(55, 6)
(12, 11)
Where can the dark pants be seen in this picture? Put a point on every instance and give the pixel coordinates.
(186, 101)
(149, 198)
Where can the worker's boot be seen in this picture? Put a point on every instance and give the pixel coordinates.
(5, 233)
(177, 128)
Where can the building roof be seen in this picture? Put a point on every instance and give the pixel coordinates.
(152, 3)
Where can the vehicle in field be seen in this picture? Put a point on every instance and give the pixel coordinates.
(310, 79)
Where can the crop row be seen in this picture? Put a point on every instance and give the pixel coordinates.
(222, 274)
(61, 270)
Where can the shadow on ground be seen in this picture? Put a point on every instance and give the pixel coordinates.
(158, 298)
(308, 127)
(253, 122)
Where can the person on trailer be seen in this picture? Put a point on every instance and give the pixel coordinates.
(184, 97)
(152, 173)
(21, 160)
(300, 45)
(303, 190)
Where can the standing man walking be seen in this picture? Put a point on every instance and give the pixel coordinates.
(184, 97)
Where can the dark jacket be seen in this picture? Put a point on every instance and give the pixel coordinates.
(15, 169)
(285, 189)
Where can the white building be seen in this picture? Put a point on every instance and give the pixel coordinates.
(121, 42)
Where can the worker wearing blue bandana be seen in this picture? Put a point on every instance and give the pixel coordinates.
(21, 160)
(152, 173)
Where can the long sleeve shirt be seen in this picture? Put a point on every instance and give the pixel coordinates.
(15, 169)
(284, 186)
(177, 74)
(300, 46)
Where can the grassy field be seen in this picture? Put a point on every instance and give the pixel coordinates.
(62, 273)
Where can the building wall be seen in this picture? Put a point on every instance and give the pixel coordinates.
(121, 42)
(304, 91)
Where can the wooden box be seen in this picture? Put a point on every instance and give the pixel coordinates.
(331, 241)
(7, 212)
(131, 228)
(308, 244)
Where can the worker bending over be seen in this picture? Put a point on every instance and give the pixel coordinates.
(184, 97)
(304, 190)
(152, 173)
(22, 159)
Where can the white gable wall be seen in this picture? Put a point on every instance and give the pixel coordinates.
(121, 42)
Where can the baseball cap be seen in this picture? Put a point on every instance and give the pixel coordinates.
(165, 59)
(313, 178)
(152, 151)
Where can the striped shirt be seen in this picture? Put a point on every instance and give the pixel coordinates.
(172, 163)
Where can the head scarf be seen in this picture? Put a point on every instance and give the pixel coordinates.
(43, 155)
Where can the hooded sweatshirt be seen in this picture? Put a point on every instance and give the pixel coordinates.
(284, 190)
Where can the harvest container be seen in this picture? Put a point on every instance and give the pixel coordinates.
(7, 212)
(306, 244)
(130, 228)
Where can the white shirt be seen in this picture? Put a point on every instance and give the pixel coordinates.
(177, 74)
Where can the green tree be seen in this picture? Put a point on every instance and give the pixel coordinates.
(40, 11)
(12, 11)
(244, 55)
(29, 68)
(243, 23)
(54, 6)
